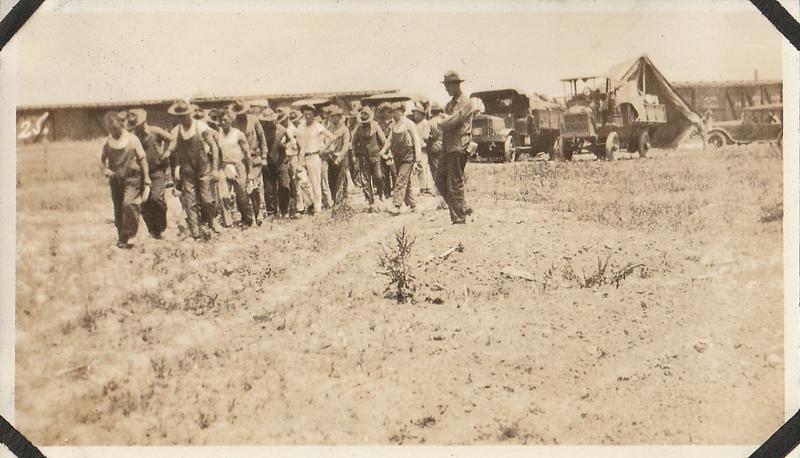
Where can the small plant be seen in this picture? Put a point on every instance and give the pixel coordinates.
(603, 275)
(394, 264)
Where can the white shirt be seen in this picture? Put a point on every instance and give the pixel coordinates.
(229, 144)
(310, 137)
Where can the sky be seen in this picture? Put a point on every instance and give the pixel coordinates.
(70, 56)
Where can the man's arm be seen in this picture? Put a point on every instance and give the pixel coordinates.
(163, 136)
(417, 142)
(261, 138)
(247, 152)
(141, 159)
(103, 157)
(460, 114)
(345, 145)
(212, 145)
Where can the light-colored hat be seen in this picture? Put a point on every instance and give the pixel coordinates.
(335, 110)
(294, 115)
(282, 113)
(308, 106)
(418, 107)
(136, 116)
(260, 103)
(239, 107)
(268, 115)
(436, 107)
(452, 76)
(384, 106)
(181, 108)
(398, 106)
(365, 115)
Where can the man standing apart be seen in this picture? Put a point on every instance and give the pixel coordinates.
(153, 140)
(276, 171)
(456, 129)
(337, 150)
(406, 148)
(197, 161)
(124, 163)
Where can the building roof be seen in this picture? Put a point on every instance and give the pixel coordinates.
(151, 102)
(730, 83)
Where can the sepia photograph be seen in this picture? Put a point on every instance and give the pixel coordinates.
(400, 223)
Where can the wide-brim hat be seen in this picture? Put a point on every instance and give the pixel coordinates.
(308, 106)
(294, 115)
(436, 107)
(261, 103)
(384, 106)
(135, 117)
(181, 108)
(452, 76)
(282, 113)
(399, 106)
(365, 115)
(239, 107)
(418, 107)
(268, 115)
(335, 110)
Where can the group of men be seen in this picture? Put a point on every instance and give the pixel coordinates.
(299, 160)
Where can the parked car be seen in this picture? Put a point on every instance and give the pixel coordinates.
(758, 124)
(511, 123)
(605, 116)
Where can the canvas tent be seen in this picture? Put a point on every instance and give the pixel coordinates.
(649, 80)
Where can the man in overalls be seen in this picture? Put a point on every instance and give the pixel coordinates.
(197, 165)
(406, 149)
(153, 140)
(124, 163)
(368, 140)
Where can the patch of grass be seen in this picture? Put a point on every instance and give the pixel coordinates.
(394, 264)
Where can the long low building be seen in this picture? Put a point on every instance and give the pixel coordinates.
(75, 122)
(724, 100)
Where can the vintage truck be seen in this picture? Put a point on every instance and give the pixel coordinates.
(512, 123)
(758, 124)
(604, 116)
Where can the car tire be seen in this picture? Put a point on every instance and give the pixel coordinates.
(510, 149)
(643, 143)
(612, 147)
(716, 140)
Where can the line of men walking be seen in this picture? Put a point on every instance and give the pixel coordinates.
(299, 160)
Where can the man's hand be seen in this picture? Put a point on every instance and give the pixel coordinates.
(418, 165)
(108, 173)
(145, 192)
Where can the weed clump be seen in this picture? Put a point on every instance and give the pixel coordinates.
(394, 264)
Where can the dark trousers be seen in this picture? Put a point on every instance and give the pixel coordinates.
(450, 182)
(255, 195)
(433, 164)
(371, 177)
(243, 203)
(389, 175)
(125, 193)
(154, 209)
(198, 202)
(337, 179)
(355, 168)
(277, 188)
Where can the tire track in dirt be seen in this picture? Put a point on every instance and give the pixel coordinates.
(279, 298)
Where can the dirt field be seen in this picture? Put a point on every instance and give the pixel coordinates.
(281, 334)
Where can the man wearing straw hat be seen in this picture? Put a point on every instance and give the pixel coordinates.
(419, 115)
(197, 162)
(249, 125)
(277, 184)
(337, 148)
(153, 140)
(406, 149)
(456, 129)
(124, 163)
(368, 140)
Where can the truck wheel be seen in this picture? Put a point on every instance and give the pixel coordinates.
(612, 146)
(643, 146)
(717, 140)
(510, 149)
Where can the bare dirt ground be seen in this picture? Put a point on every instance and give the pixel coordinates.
(282, 334)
